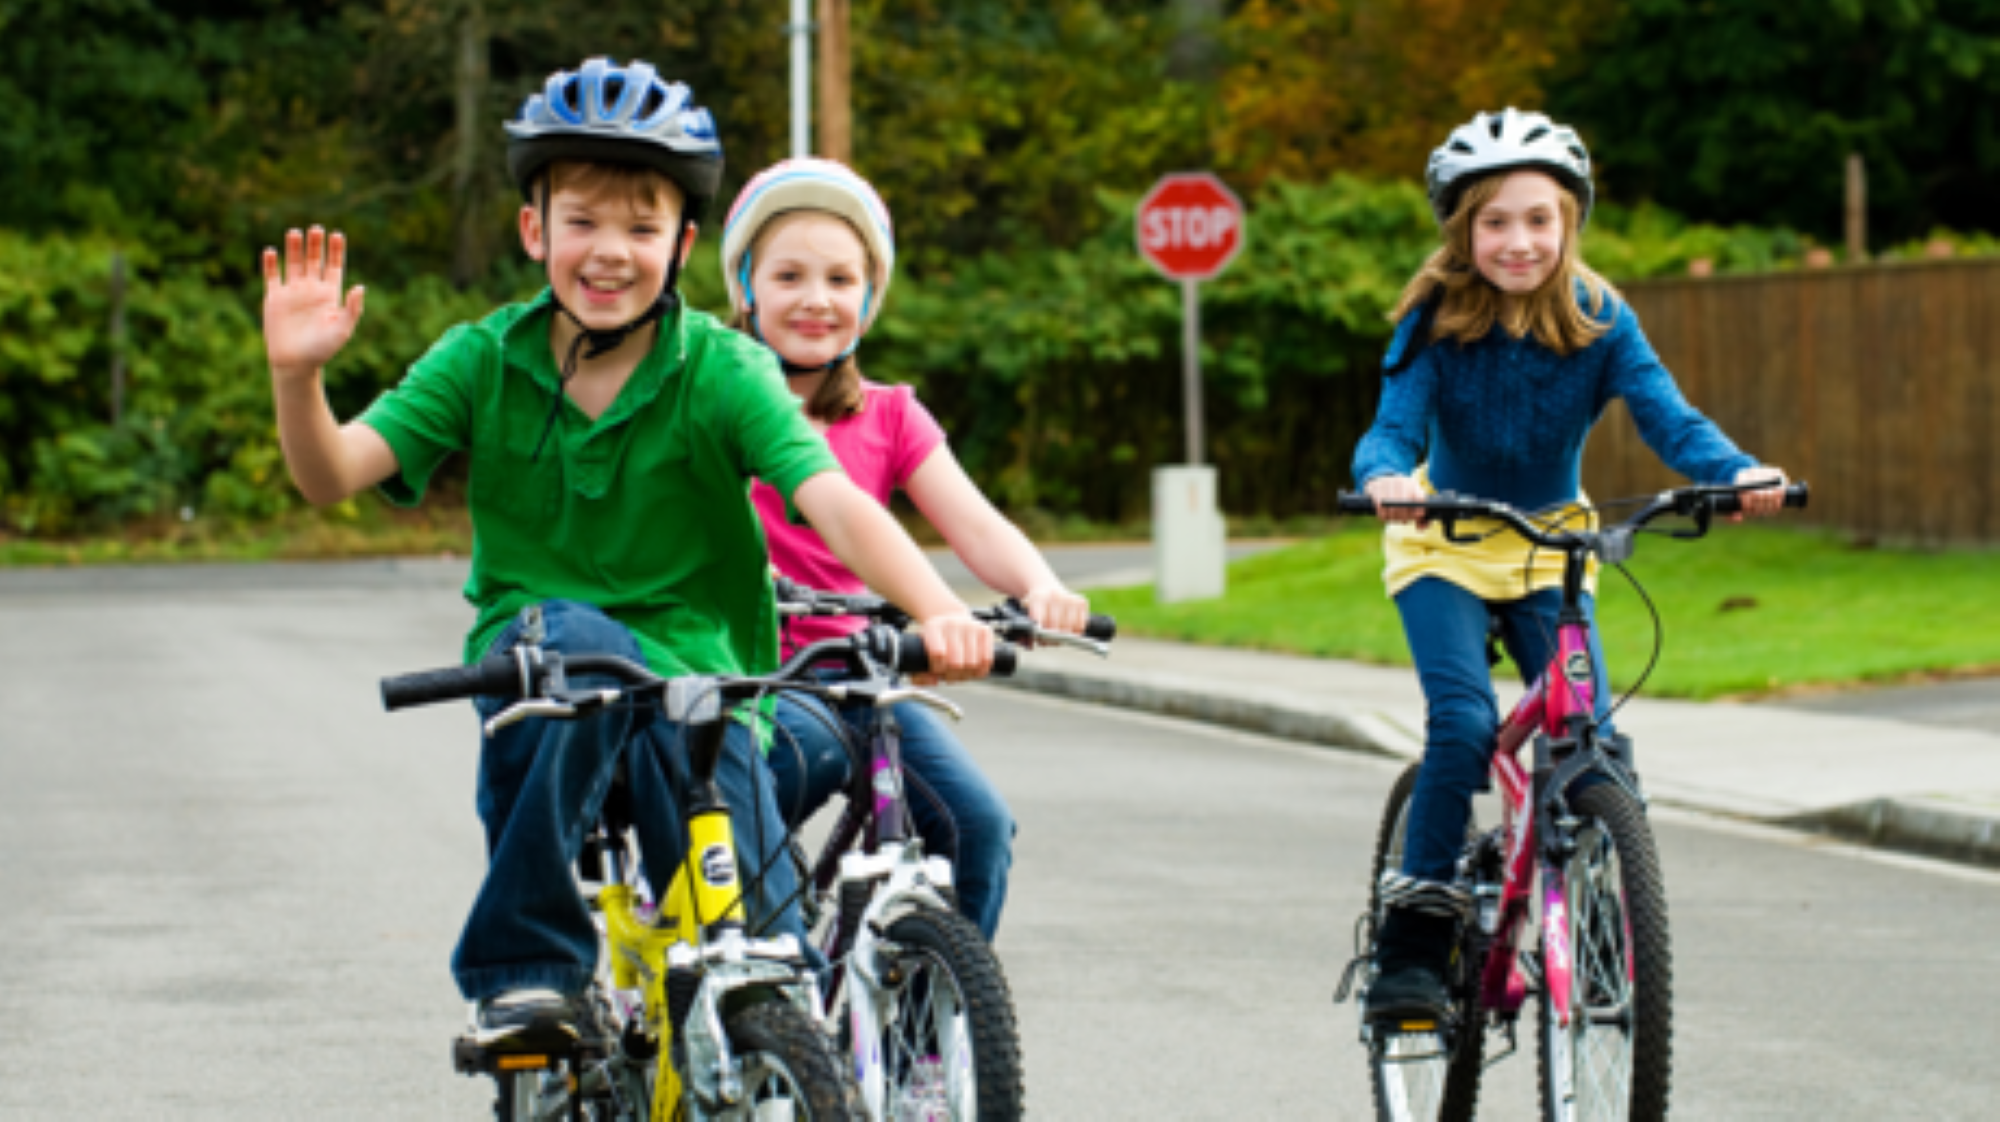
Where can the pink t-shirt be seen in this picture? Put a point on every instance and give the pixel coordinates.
(880, 448)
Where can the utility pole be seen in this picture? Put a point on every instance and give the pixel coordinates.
(836, 69)
(801, 29)
(1857, 208)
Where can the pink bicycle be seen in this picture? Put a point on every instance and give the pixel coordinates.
(1568, 901)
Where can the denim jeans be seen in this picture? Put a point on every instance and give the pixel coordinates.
(541, 783)
(974, 828)
(1446, 627)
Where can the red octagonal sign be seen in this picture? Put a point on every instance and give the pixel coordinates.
(1190, 225)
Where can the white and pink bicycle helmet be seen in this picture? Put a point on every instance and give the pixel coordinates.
(808, 184)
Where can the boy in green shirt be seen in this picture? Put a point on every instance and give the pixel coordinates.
(612, 434)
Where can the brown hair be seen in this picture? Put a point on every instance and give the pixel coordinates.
(840, 395)
(636, 186)
(1471, 305)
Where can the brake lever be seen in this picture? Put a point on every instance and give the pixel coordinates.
(925, 698)
(1097, 647)
(522, 710)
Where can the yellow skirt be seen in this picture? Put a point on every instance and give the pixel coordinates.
(1498, 567)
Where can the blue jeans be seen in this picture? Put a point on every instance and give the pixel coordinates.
(811, 766)
(1446, 627)
(541, 783)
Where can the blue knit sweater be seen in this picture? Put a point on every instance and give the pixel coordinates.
(1506, 418)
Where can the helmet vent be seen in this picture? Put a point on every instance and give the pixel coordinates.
(1536, 134)
(651, 103)
(1461, 146)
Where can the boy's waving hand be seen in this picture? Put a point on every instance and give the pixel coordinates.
(306, 321)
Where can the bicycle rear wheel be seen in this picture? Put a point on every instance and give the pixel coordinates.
(1418, 1077)
(1614, 1059)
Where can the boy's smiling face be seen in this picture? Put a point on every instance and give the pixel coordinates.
(607, 249)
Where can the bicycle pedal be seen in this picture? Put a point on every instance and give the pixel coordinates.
(468, 1057)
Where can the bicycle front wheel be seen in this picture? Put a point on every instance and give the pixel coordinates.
(952, 1049)
(790, 1069)
(1613, 1059)
(1419, 1077)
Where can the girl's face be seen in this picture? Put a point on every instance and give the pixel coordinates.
(807, 286)
(607, 256)
(1517, 238)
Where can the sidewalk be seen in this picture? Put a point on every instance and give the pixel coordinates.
(1897, 784)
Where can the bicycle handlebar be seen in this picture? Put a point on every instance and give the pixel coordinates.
(522, 673)
(1699, 501)
(1010, 620)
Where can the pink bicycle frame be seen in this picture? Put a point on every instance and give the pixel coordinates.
(1565, 688)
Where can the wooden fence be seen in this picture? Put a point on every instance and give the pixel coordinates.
(1875, 383)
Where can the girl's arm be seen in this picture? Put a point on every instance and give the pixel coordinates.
(1683, 437)
(1395, 443)
(996, 550)
(877, 550)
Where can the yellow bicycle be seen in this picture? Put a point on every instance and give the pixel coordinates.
(709, 1021)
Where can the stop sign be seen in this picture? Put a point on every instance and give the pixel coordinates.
(1190, 225)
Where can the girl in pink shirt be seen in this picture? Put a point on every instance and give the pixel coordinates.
(808, 254)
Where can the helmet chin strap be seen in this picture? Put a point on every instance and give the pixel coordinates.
(594, 342)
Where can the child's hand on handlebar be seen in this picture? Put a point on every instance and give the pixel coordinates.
(1765, 501)
(1055, 608)
(1397, 489)
(960, 648)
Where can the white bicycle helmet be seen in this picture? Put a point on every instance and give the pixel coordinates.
(608, 113)
(808, 184)
(1507, 141)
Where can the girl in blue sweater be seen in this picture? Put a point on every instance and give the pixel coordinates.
(1507, 350)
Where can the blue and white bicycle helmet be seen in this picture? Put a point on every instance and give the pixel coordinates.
(606, 113)
(1507, 141)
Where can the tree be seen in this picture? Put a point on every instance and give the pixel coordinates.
(1745, 110)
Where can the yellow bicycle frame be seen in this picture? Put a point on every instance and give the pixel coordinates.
(705, 890)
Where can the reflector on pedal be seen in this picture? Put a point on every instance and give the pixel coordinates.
(520, 1063)
(1418, 1026)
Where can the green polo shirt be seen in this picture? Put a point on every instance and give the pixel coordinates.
(644, 512)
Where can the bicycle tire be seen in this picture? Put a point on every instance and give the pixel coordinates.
(1447, 1088)
(945, 1032)
(1584, 1072)
(786, 1059)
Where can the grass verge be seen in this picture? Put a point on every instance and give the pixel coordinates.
(1751, 610)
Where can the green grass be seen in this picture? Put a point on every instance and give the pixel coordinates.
(365, 528)
(1805, 609)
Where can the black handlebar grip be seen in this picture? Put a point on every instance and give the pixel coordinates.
(1354, 502)
(496, 676)
(912, 657)
(1795, 497)
(1101, 628)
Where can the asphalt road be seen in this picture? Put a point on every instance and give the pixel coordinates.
(232, 883)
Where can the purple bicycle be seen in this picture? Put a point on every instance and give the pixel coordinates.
(1568, 901)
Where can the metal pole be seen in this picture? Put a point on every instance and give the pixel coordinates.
(1191, 365)
(801, 33)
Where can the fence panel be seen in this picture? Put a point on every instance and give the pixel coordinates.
(1876, 383)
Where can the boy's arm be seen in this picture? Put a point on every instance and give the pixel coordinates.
(306, 322)
(870, 543)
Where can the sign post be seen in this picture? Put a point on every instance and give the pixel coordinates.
(1190, 227)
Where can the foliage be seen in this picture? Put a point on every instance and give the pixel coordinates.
(1746, 111)
(1745, 610)
(1369, 87)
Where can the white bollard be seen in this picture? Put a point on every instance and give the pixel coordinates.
(1189, 538)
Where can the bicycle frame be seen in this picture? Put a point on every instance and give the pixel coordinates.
(1555, 712)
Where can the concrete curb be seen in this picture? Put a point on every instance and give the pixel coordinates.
(1330, 725)
(1931, 827)
(1960, 832)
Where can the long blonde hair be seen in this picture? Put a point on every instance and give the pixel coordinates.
(840, 395)
(1471, 305)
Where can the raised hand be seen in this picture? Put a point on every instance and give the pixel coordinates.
(306, 321)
